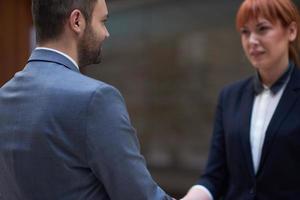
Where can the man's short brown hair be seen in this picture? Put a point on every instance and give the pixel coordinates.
(49, 16)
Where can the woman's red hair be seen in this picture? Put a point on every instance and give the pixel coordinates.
(273, 10)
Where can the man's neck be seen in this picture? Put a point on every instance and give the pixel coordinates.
(62, 51)
(63, 46)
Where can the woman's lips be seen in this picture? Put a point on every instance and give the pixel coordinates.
(256, 53)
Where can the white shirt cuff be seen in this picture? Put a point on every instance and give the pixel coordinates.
(204, 189)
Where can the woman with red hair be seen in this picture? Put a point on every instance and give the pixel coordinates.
(255, 149)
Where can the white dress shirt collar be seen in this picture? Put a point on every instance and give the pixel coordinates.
(61, 53)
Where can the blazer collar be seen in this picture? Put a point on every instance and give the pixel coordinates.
(258, 85)
(44, 55)
(244, 117)
(285, 105)
(295, 79)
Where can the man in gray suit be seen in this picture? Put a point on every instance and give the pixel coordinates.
(64, 136)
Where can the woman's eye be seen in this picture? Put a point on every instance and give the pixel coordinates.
(263, 28)
(244, 31)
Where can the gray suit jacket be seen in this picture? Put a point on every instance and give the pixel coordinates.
(64, 136)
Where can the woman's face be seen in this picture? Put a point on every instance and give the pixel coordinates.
(266, 44)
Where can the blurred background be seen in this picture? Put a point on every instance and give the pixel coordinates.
(169, 59)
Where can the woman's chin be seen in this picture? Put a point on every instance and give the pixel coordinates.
(259, 64)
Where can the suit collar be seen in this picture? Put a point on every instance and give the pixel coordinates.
(247, 99)
(295, 79)
(45, 55)
(258, 85)
(285, 105)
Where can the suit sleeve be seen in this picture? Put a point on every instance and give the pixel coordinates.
(216, 172)
(113, 150)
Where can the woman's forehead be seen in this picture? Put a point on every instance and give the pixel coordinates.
(257, 19)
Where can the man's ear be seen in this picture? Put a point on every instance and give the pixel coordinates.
(77, 22)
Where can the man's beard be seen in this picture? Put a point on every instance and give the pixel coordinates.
(89, 48)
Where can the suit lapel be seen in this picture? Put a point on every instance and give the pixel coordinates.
(285, 104)
(244, 125)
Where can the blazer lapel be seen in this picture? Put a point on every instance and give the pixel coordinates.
(244, 125)
(285, 104)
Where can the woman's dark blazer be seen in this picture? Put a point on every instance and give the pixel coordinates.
(229, 172)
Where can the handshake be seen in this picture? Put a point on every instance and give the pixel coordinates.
(197, 192)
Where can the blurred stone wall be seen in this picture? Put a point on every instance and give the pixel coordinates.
(170, 59)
